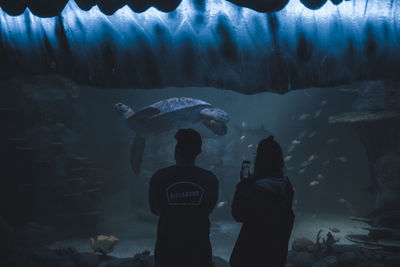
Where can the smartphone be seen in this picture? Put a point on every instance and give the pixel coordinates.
(245, 171)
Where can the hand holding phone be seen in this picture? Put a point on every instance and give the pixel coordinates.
(245, 170)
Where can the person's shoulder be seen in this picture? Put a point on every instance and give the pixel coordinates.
(162, 172)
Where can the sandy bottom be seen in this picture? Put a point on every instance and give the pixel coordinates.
(137, 237)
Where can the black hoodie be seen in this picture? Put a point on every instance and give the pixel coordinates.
(264, 206)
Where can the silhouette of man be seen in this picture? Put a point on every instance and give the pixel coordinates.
(183, 196)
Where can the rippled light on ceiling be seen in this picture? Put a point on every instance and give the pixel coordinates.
(90, 27)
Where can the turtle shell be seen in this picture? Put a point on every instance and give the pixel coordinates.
(169, 105)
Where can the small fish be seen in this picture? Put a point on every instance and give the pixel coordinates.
(323, 60)
(323, 103)
(332, 140)
(287, 158)
(290, 149)
(326, 162)
(243, 124)
(342, 159)
(221, 204)
(305, 164)
(342, 200)
(311, 135)
(242, 138)
(296, 141)
(312, 157)
(320, 177)
(314, 183)
(302, 170)
(317, 113)
(250, 146)
(304, 116)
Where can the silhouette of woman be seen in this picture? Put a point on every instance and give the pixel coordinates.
(263, 203)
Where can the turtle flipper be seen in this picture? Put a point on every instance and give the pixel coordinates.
(137, 150)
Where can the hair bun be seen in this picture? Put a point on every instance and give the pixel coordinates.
(270, 138)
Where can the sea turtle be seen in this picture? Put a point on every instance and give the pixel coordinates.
(169, 114)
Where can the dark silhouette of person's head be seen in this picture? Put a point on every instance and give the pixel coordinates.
(188, 144)
(269, 159)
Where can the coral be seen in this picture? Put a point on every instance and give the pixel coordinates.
(104, 244)
(330, 240)
(318, 241)
(334, 229)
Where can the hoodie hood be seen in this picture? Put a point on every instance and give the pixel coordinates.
(274, 185)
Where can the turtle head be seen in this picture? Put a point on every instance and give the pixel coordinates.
(217, 127)
(124, 111)
(215, 119)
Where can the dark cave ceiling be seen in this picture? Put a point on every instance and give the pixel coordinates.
(235, 44)
(51, 8)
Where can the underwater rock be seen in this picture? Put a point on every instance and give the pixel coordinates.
(103, 244)
(349, 258)
(393, 244)
(303, 244)
(366, 116)
(303, 259)
(378, 96)
(376, 101)
(48, 106)
(89, 259)
(68, 138)
(35, 235)
(375, 116)
(345, 255)
(47, 257)
(331, 261)
(387, 169)
(371, 97)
